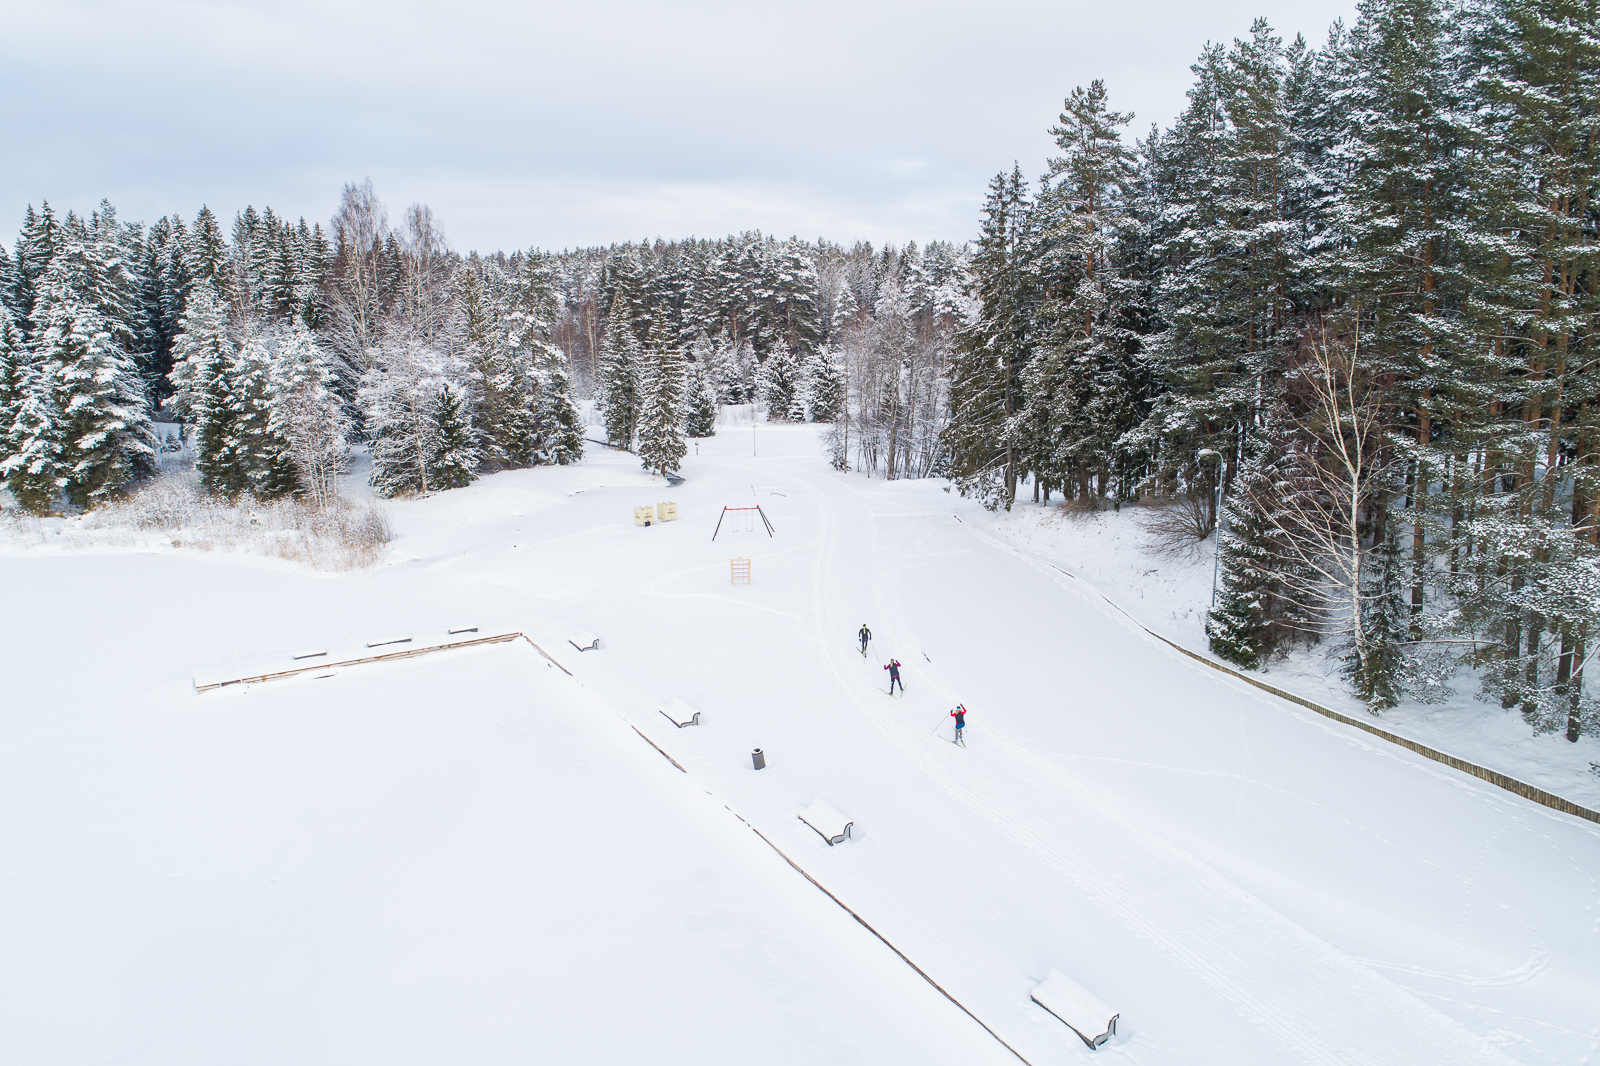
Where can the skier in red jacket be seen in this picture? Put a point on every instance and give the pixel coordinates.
(960, 715)
(894, 677)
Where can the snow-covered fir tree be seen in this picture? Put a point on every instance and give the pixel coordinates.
(256, 458)
(558, 428)
(661, 430)
(205, 389)
(400, 397)
(91, 427)
(618, 378)
(453, 458)
(782, 385)
(502, 379)
(700, 402)
(825, 384)
(307, 417)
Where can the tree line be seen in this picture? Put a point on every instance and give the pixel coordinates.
(858, 337)
(1355, 287)
(275, 348)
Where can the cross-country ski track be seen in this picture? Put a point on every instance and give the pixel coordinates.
(476, 852)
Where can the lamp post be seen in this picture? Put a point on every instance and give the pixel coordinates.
(1206, 455)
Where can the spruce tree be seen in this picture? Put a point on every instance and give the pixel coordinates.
(36, 247)
(557, 425)
(783, 387)
(259, 457)
(700, 406)
(1378, 678)
(85, 377)
(617, 378)
(206, 255)
(661, 443)
(1228, 253)
(399, 396)
(495, 333)
(13, 390)
(992, 352)
(453, 457)
(1256, 614)
(203, 387)
(825, 384)
(9, 277)
(32, 464)
(307, 416)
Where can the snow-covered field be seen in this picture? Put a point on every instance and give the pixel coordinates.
(474, 857)
(1170, 593)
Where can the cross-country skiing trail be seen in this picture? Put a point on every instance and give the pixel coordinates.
(1314, 998)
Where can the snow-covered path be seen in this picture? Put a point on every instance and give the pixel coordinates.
(1245, 881)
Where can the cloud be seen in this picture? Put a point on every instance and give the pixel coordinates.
(575, 124)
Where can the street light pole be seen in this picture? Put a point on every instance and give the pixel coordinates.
(1212, 455)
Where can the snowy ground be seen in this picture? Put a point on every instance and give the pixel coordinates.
(1169, 594)
(474, 856)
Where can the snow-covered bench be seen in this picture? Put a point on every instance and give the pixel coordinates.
(1083, 1012)
(679, 713)
(828, 823)
(584, 640)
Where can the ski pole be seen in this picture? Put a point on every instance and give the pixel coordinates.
(939, 726)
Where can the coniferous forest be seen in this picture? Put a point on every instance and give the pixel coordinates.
(1341, 316)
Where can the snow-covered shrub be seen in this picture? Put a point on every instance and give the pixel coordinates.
(337, 536)
(1177, 525)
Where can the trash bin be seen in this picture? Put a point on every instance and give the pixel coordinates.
(758, 760)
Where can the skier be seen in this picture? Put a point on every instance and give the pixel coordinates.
(960, 715)
(894, 677)
(865, 635)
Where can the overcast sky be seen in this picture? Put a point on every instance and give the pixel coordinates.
(581, 123)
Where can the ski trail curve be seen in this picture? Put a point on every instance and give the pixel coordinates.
(1327, 1008)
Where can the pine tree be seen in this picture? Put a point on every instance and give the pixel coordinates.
(1537, 181)
(1399, 216)
(1080, 384)
(661, 443)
